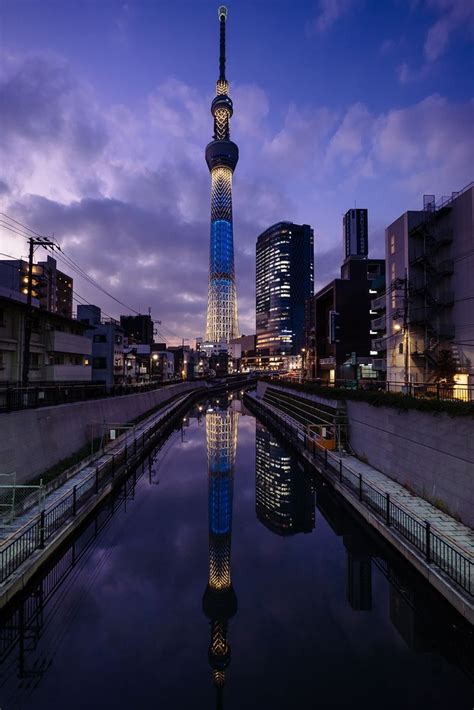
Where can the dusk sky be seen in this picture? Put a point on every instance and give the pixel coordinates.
(105, 114)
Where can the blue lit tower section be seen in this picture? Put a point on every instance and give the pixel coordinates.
(219, 601)
(221, 157)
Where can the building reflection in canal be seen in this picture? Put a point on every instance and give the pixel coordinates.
(284, 496)
(219, 601)
(285, 503)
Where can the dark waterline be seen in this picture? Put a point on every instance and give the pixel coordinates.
(217, 582)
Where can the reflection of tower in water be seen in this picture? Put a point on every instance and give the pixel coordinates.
(219, 601)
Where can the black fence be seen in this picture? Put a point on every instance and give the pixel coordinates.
(36, 533)
(435, 548)
(422, 390)
(14, 398)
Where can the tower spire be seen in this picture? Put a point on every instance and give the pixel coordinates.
(222, 12)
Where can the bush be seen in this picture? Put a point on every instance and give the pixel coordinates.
(397, 400)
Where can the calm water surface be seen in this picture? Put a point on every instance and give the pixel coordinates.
(230, 578)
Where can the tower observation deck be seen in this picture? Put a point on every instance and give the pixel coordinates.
(221, 157)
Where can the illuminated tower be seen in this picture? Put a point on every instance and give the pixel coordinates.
(221, 157)
(219, 601)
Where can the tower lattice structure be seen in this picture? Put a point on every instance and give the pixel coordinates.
(220, 601)
(221, 157)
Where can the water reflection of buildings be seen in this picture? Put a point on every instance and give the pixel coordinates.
(284, 496)
(219, 601)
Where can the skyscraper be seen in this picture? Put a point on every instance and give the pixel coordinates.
(221, 157)
(284, 280)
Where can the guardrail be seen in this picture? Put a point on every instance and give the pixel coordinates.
(421, 390)
(36, 533)
(13, 398)
(435, 548)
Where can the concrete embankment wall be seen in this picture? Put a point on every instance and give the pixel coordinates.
(431, 454)
(34, 440)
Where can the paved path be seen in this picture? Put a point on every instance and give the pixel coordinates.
(446, 525)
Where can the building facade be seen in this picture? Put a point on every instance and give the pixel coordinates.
(107, 345)
(430, 299)
(137, 329)
(59, 350)
(51, 287)
(221, 157)
(339, 343)
(284, 280)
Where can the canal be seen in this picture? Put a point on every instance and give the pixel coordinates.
(229, 577)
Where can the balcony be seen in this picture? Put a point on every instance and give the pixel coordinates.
(379, 303)
(68, 373)
(379, 323)
(60, 342)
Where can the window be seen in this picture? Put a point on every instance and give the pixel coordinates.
(392, 244)
(400, 349)
(100, 338)
(99, 363)
(118, 340)
(34, 361)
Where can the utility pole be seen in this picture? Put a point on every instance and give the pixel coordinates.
(406, 335)
(32, 241)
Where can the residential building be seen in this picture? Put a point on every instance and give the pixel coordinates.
(162, 363)
(107, 345)
(59, 349)
(284, 280)
(51, 287)
(137, 329)
(430, 302)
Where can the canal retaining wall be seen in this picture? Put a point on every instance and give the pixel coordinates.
(431, 454)
(34, 440)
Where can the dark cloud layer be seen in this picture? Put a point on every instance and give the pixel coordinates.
(126, 191)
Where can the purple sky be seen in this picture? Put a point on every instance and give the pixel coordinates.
(105, 114)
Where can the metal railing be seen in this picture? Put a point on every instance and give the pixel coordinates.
(435, 547)
(14, 397)
(419, 390)
(37, 532)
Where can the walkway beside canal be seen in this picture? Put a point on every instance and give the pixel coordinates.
(36, 535)
(405, 526)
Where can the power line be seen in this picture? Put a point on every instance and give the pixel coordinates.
(70, 263)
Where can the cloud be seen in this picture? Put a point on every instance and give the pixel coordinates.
(126, 190)
(407, 74)
(330, 11)
(455, 15)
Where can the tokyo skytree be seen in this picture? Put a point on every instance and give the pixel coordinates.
(221, 157)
